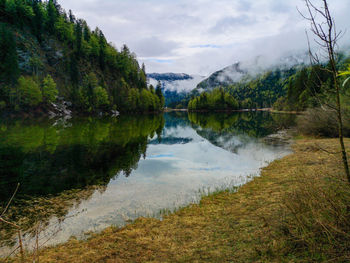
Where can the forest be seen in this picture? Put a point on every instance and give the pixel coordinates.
(217, 99)
(295, 89)
(47, 53)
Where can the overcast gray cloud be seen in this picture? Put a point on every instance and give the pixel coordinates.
(153, 47)
(228, 24)
(201, 36)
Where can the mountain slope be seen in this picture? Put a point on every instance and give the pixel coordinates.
(40, 40)
(223, 77)
(249, 70)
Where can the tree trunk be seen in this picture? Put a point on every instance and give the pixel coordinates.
(339, 114)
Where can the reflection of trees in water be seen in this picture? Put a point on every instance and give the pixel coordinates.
(47, 159)
(232, 131)
(176, 119)
(255, 124)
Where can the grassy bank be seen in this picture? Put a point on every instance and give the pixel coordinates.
(28, 213)
(295, 212)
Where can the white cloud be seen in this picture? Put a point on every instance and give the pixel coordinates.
(201, 36)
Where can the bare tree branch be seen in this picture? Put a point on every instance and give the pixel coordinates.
(8, 204)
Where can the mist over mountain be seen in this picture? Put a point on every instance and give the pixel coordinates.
(179, 82)
(248, 70)
(176, 87)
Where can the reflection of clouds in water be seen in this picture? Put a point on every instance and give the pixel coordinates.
(171, 176)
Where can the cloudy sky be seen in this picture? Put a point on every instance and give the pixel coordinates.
(202, 36)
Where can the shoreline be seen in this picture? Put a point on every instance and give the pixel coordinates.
(224, 226)
(228, 111)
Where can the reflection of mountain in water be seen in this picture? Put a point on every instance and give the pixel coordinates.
(48, 160)
(233, 131)
(171, 141)
(176, 119)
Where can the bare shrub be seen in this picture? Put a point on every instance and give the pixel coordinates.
(320, 122)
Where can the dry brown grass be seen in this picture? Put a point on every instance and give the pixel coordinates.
(256, 224)
(27, 213)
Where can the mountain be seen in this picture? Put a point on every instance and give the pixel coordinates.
(176, 87)
(179, 82)
(249, 70)
(254, 84)
(223, 77)
(47, 53)
(169, 77)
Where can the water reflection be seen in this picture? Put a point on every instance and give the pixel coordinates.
(47, 159)
(166, 161)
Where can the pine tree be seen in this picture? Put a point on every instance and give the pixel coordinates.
(52, 16)
(78, 31)
(87, 32)
(102, 54)
(160, 94)
(38, 19)
(71, 16)
(9, 70)
(2, 10)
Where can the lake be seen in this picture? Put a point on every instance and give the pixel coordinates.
(84, 174)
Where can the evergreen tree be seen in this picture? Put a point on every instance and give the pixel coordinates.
(81, 48)
(9, 70)
(102, 53)
(38, 19)
(71, 16)
(52, 16)
(160, 94)
(78, 32)
(2, 10)
(87, 32)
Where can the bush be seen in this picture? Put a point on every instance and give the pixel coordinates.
(49, 89)
(29, 92)
(322, 122)
(2, 105)
(280, 104)
(101, 97)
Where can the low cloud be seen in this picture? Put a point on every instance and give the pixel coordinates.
(227, 24)
(202, 36)
(153, 47)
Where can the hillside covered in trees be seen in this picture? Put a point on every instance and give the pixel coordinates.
(294, 89)
(250, 92)
(46, 53)
(312, 87)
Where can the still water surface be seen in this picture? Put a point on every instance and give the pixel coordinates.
(141, 165)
